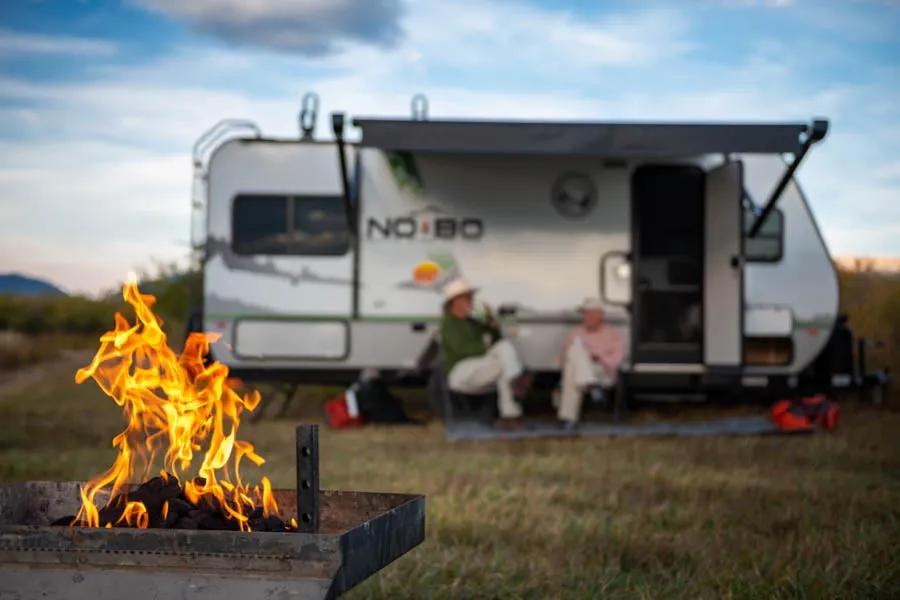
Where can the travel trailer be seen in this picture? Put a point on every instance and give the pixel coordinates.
(326, 257)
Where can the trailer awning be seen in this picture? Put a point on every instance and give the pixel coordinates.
(620, 140)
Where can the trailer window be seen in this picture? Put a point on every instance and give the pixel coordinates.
(767, 245)
(282, 224)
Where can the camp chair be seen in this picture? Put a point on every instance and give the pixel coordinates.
(445, 402)
(455, 406)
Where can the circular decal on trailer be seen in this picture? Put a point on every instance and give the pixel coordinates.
(574, 195)
(426, 272)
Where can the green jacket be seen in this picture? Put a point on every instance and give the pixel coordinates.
(463, 338)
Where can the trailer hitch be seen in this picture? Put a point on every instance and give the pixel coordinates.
(816, 131)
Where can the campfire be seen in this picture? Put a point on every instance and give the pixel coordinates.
(193, 523)
(182, 416)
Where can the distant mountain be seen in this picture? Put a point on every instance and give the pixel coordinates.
(22, 285)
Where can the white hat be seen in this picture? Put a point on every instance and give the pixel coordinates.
(457, 287)
(591, 304)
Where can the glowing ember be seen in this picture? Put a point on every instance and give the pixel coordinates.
(176, 408)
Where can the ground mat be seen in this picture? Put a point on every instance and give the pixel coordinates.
(744, 425)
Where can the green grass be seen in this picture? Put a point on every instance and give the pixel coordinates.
(799, 517)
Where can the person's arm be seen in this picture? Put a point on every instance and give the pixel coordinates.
(490, 324)
(613, 352)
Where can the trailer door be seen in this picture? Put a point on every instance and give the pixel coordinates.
(723, 272)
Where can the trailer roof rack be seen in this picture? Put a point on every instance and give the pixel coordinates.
(618, 140)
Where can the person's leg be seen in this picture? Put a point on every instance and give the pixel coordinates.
(604, 379)
(578, 372)
(508, 357)
(475, 375)
(511, 367)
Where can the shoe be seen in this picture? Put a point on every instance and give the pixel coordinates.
(514, 424)
(596, 395)
(568, 426)
(522, 384)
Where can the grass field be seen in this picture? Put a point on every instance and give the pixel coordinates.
(803, 517)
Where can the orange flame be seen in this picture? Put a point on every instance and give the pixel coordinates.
(135, 515)
(176, 407)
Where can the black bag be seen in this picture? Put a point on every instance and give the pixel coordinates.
(376, 402)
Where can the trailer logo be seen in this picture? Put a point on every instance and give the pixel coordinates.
(574, 195)
(427, 223)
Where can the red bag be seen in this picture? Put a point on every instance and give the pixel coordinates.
(790, 418)
(821, 412)
(338, 416)
(805, 414)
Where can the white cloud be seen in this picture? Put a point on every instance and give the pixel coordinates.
(16, 42)
(79, 268)
(312, 27)
(83, 214)
(518, 36)
(754, 3)
(95, 174)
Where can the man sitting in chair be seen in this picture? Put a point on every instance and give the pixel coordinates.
(592, 354)
(476, 360)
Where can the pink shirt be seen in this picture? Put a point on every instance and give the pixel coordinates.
(604, 345)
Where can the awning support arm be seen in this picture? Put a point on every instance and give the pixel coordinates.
(337, 126)
(816, 132)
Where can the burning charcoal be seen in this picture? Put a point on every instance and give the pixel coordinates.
(209, 504)
(170, 519)
(111, 514)
(154, 484)
(185, 523)
(179, 506)
(156, 521)
(273, 523)
(155, 492)
(64, 521)
(195, 514)
(166, 518)
(170, 489)
(256, 513)
(151, 500)
(258, 524)
(208, 521)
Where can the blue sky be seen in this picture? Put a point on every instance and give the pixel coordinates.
(100, 101)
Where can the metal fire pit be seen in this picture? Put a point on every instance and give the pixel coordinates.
(357, 534)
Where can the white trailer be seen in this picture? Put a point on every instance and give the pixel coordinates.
(322, 258)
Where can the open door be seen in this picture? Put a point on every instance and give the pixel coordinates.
(667, 249)
(723, 285)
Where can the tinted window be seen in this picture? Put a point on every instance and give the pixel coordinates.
(767, 244)
(320, 225)
(279, 224)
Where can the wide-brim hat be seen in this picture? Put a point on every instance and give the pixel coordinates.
(457, 287)
(591, 304)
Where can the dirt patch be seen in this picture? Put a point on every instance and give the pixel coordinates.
(68, 361)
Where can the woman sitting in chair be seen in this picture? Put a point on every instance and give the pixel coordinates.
(476, 360)
(592, 355)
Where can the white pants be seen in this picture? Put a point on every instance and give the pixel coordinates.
(480, 374)
(579, 371)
